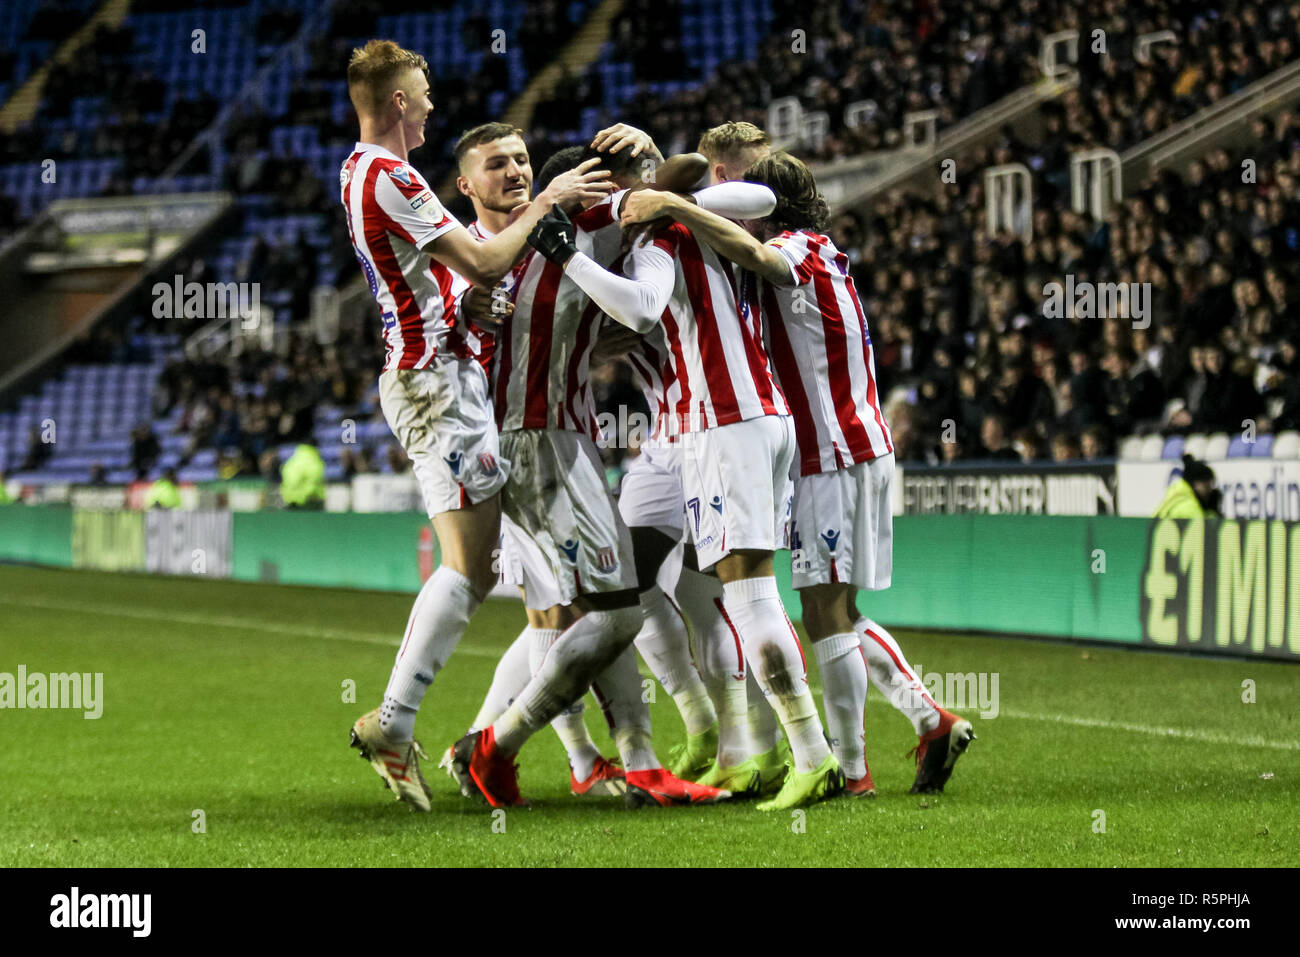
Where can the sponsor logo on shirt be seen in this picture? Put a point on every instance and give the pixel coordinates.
(453, 463)
(421, 200)
(831, 537)
(401, 174)
(570, 549)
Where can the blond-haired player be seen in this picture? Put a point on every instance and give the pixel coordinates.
(433, 392)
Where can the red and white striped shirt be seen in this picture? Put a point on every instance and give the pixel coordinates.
(717, 370)
(392, 216)
(648, 360)
(822, 352)
(544, 348)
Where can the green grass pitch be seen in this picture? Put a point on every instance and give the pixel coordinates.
(227, 698)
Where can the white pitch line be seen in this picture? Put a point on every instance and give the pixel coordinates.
(289, 629)
(391, 641)
(1191, 734)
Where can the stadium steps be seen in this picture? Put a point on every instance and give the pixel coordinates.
(22, 106)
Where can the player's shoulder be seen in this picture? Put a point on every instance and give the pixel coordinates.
(401, 174)
(598, 216)
(803, 239)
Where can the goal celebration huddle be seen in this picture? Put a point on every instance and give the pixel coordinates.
(711, 276)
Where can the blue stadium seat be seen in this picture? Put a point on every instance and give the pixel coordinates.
(1238, 448)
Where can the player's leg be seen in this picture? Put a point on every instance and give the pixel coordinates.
(736, 478)
(942, 737)
(744, 761)
(664, 642)
(844, 678)
(441, 416)
(577, 524)
(832, 555)
(511, 674)
(442, 610)
(549, 613)
(650, 503)
(590, 774)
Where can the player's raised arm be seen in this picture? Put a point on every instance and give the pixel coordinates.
(636, 301)
(484, 263)
(718, 231)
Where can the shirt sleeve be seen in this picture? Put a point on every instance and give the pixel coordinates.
(409, 202)
(737, 200)
(638, 299)
(797, 256)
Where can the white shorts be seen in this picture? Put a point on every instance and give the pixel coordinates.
(843, 526)
(558, 497)
(651, 493)
(443, 418)
(736, 479)
(524, 565)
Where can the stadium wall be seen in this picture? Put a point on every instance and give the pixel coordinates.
(1220, 587)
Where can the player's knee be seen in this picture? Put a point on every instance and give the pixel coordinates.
(624, 623)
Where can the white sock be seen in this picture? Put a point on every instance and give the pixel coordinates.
(666, 647)
(774, 655)
(585, 649)
(764, 727)
(510, 678)
(618, 689)
(570, 725)
(844, 693)
(571, 728)
(721, 662)
(893, 676)
(438, 618)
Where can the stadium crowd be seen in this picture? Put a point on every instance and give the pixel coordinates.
(960, 329)
(956, 315)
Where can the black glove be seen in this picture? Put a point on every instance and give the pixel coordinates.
(554, 236)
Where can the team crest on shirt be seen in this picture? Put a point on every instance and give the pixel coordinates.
(607, 561)
(831, 537)
(488, 463)
(345, 175)
(570, 549)
(401, 174)
(453, 462)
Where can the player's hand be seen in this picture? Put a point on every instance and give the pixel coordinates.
(613, 138)
(554, 236)
(614, 342)
(643, 205)
(579, 185)
(487, 308)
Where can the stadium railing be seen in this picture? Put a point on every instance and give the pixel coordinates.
(1215, 125)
